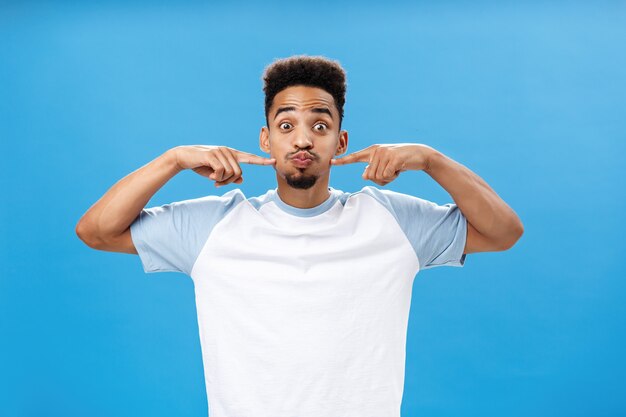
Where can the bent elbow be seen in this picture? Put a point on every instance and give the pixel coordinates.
(87, 237)
(515, 237)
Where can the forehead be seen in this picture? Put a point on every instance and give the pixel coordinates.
(303, 97)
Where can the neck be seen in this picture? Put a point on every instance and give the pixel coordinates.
(300, 198)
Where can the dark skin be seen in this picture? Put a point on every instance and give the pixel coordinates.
(303, 129)
(491, 224)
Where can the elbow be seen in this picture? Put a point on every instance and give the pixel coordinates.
(515, 235)
(86, 235)
(82, 233)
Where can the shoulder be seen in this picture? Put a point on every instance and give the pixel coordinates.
(395, 201)
(215, 203)
(201, 211)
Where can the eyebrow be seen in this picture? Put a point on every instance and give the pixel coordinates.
(313, 110)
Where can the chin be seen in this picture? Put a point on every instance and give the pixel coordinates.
(301, 181)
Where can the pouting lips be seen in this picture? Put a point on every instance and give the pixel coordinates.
(302, 156)
(301, 162)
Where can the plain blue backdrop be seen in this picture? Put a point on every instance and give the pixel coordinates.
(531, 97)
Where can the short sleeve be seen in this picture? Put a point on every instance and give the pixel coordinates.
(437, 232)
(169, 238)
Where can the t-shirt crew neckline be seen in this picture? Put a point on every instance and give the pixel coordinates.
(305, 212)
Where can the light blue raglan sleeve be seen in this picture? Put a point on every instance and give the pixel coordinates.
(169, 238)
(436, 232)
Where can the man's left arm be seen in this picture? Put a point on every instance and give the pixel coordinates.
(491, 224)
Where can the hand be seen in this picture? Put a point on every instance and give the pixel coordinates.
(219, 163)
(385, 162)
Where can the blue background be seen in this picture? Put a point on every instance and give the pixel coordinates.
(531, 97)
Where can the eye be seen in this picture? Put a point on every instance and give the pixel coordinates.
(284, 123)
(321, 124)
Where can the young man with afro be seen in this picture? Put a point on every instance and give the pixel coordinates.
(302, 293)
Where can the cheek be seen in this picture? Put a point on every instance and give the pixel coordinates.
(276, 148)
(328, 153)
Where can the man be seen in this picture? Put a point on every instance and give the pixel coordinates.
(302, 293)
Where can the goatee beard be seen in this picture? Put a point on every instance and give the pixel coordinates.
(301, 181)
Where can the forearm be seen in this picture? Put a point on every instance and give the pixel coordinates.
(113, 213)
(480, 204)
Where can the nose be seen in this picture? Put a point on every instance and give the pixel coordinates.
(302, 140)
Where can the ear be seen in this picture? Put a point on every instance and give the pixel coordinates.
(264, 140)
(342, 146)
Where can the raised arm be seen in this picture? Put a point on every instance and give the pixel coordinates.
(491, 224)
(106, 225)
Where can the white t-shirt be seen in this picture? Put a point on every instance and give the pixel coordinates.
(302, 312)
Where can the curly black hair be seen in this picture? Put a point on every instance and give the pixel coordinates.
(312, 71)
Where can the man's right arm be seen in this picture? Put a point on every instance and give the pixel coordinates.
(106, 225)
